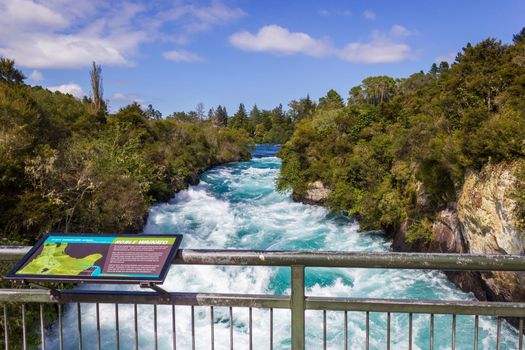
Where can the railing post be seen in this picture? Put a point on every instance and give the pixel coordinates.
(298, 307)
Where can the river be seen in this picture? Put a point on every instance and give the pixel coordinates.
(237, 206)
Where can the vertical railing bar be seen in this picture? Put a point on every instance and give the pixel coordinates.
(271, 328)
(298, 307)
(136, 324)
(24, 334)
(498, 336)
(520, 334)
(431, 331)
(79, 326)
(231, 328)
(250, 328)
(173, 327)
(60, 329)
(193, 327)
(6, 329)
(212, 321)
(42, 331)
(324, 329)
(410, 331)
(346, 330)
(476, 328)
(117, 327)
(388, 331)
(155, 332)
(367, 331)
(453, 331)
(97, 308)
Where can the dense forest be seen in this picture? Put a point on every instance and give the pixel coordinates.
(395, 142)
(70, 165)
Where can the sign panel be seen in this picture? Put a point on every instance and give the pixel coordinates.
(98, 258)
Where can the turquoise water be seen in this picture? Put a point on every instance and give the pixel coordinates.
(237, 206)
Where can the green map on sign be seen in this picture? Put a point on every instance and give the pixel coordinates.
(54, 261)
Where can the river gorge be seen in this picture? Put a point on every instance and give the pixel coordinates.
(236, 206)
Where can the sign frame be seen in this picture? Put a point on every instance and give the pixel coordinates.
(27, 278)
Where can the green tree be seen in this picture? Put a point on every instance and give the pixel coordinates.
(332, 100)
(9, 74)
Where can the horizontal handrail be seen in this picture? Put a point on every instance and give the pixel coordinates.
(458, 307)
(388, 260)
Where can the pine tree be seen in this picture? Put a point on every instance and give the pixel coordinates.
(221, 116)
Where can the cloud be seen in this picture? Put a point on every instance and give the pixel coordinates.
(369, 15)
(192, 18)
(126, 98)
(450, 58)
(375, 51)
(72, 34)
(182, 56)
(36, 75)
(71, 88)
(381, 48)
(279, 40)
(327, 13)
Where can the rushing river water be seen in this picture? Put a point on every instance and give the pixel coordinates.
(237, 206)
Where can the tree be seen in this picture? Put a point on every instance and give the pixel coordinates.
(199, 109)
(332, 100)
(434, 70)
(97, 89)
(519, 37)
(222, 116)
(239, 119)
(301, 109)
(378, 89)
(152, 114)
(9, 74)
(443, 67)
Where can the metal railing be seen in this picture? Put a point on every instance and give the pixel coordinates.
(297, 302)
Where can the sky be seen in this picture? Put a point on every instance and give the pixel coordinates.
(176, 54)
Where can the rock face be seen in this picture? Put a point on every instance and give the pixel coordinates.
(483, 221)
(486, 212)
(316, 193)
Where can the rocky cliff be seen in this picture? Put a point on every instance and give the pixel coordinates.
(483, 221)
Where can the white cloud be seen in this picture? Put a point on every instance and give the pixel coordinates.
(369, 15)
(199, 18)
(71, 34)
(127, 98)
(182, 56)
(36, 75)
(279, 40)
(382, 48)
(375, 51)
(398, 30)
(450, 58)
(71, 88)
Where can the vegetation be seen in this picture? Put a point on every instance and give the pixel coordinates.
(69, 165)
(399, 149)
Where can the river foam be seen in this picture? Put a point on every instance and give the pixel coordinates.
(236, 206)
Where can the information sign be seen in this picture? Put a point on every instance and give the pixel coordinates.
(98, 258)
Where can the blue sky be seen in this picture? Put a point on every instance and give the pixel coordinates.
(176, 54)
